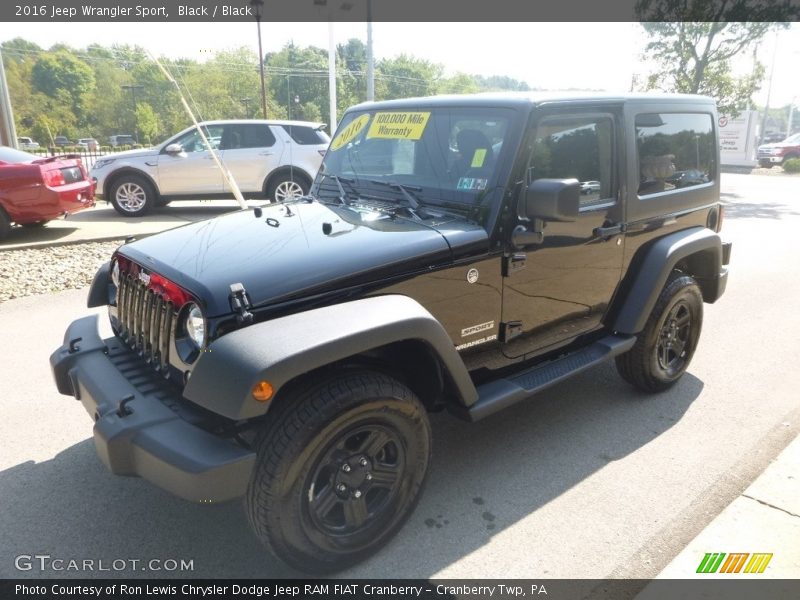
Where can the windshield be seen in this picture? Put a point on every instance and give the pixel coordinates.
(11, 155)
(447, 154)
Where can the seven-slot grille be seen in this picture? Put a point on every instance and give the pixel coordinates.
(145, 320)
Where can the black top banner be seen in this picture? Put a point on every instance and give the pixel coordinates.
(398, 10)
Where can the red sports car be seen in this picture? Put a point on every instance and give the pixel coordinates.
(35, 190)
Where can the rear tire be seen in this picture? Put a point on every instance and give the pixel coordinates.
(341, 465)
(285, 187)
(666, 345)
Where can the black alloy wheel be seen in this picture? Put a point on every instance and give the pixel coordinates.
(341, 463)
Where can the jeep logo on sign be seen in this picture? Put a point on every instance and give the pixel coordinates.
(472, 275)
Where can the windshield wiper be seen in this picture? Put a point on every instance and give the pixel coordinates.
(342, 194)
(412, 199)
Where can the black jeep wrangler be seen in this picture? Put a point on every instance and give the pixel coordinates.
(458, 252)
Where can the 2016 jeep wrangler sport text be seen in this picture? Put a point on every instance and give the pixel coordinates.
(455, 252)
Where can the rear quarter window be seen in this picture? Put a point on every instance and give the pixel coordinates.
(675, 150)
(306, 136)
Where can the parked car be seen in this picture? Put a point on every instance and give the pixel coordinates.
(88, 143)
(61, 140)
(686, 178)
(273, 159)
(770, 155)
(121, 140)
(26, 143)
(290, 354)
(773, 137)
(35, 190)
(590, 187)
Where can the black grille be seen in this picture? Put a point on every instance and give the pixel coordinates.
(145, 321)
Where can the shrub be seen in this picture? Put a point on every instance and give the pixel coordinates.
(792, 165)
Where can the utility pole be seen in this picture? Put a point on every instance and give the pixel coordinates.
(769, 90)
(8, 133)
(258, 7)
(133, 89)
(331, 78)
(370, 59)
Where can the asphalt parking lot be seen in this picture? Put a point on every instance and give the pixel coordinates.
(590, 479)
(102, 222)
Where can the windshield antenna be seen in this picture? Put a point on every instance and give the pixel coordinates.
(225, 172)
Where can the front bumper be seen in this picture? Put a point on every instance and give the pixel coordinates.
(142, 427)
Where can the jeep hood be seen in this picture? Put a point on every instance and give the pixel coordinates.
(299, 249)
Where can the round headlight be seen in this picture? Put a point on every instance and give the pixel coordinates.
(195, 325)
(115, 274)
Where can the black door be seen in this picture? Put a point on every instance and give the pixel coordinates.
(568, 279)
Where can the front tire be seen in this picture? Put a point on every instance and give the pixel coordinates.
(340, 468)
(132, 196)
(666, 345)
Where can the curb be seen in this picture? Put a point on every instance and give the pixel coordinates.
(54, 244)
(764, 518)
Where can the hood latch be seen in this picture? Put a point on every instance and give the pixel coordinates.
(240, 303)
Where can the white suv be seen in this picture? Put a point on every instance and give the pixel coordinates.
(272, 159)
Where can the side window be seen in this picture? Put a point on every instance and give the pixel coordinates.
(578, 147)
(236, 137)
(675, 151)
(306, 136)
(192, 142)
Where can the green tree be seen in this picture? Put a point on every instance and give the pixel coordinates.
(406, 76)
(61, 75)
(459, 83)
(693, 42)
(147, 123)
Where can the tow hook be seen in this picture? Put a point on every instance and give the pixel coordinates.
(122, 409)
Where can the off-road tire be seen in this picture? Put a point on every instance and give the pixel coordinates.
(644, 365)
(367, 420)
(132, 196)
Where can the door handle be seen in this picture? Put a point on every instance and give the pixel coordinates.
(266, 153)
(609, 230)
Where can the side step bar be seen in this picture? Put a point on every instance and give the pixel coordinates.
(497, 395)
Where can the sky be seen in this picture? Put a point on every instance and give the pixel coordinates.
(595, 56)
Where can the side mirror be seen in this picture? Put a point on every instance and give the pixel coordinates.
(552, 200)
(173, 149)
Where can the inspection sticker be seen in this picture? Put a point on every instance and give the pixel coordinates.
(349, 133)
(478, 158)
(398, 125)
(471, 183)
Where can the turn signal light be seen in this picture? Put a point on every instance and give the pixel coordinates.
(262, 391)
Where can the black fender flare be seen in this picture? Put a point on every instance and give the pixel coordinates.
(100, 292)
(649, 273)
(285, 348)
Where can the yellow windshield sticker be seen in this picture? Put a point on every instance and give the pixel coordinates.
(478, 158)
(349, 133)
(398, 125)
